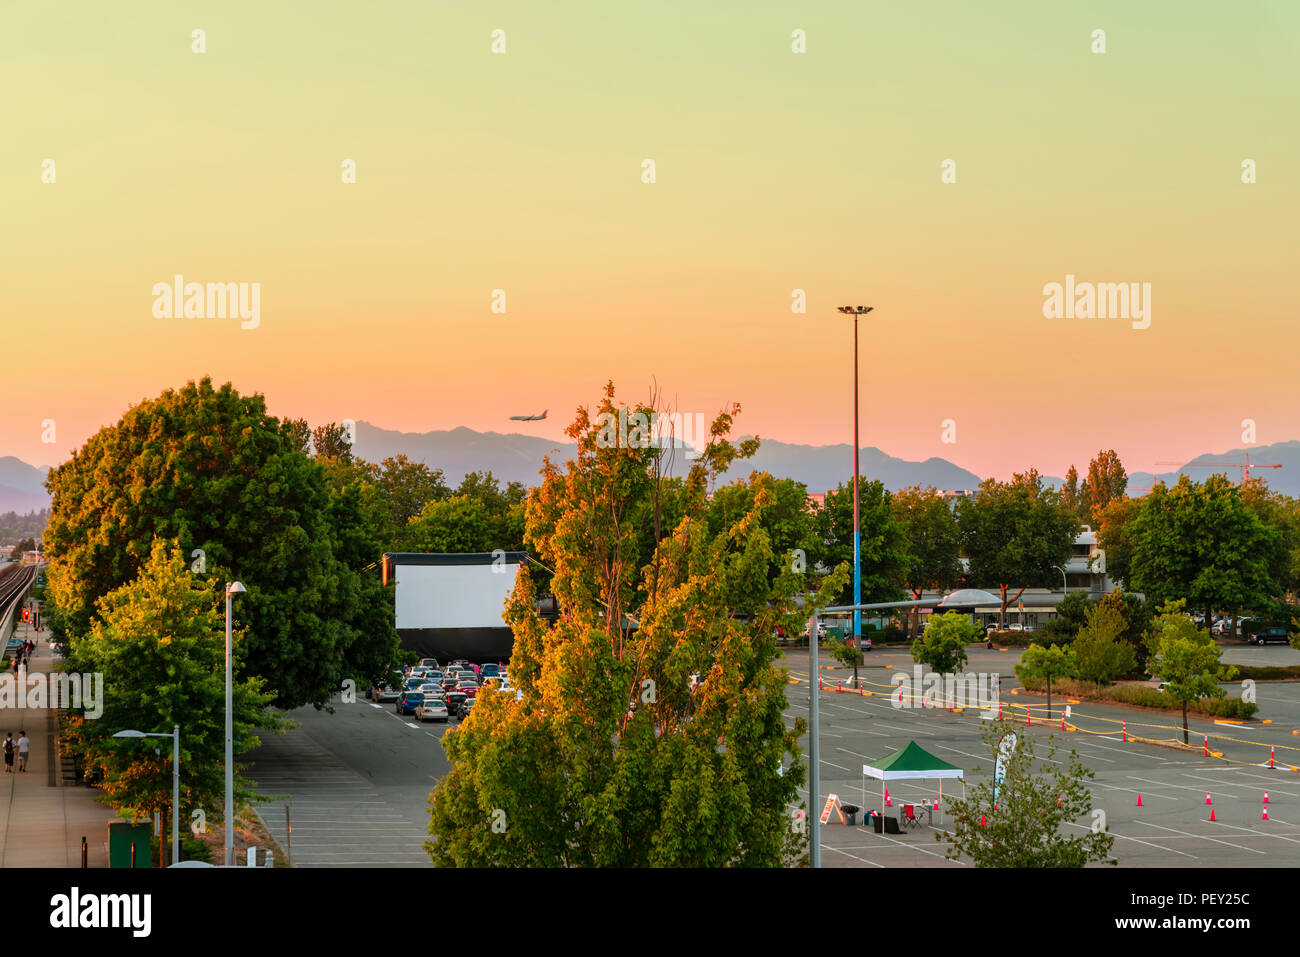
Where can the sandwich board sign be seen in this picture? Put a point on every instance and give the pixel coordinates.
(833, 804)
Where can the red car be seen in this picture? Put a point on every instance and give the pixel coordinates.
(470, 688)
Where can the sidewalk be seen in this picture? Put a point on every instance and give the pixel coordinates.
(42, 823)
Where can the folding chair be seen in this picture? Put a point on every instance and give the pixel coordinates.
(909, 816)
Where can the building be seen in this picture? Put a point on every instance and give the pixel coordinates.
(1084, 570)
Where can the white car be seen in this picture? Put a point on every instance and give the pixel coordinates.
(433, 709)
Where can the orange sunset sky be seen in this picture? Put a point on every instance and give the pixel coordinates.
(775, 171)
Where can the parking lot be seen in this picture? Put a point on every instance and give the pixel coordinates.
(1171, 828)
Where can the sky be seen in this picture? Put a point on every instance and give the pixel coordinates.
(775, 171)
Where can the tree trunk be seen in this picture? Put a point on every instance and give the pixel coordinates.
(1232, 626)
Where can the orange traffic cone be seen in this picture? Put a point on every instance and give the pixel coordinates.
(1265, 817)
(1062, 722)
(1207, 798)
(1211, 814)
(1125, 731)
(839, 688)
(1139, 804)
(1265, 797)
(983, 823)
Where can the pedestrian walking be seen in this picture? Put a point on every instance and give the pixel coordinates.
(24, 745)
(9, 753)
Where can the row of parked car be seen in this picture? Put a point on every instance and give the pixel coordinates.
(430, 692)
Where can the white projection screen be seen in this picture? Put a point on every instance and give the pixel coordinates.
(450, 605)
(453, 596)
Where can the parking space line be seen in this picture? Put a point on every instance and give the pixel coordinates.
(827, 847)
(1199, 837)
(1158, 847)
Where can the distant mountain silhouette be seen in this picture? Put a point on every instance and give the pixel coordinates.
(518, 458)
(22, 486)
(1285, 480)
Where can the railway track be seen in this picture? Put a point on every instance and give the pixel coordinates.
(15, 583)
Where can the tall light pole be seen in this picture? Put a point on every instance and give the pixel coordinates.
(856, 312)
(232, 589)
(176, 780)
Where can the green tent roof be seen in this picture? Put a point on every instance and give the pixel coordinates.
(912, 761)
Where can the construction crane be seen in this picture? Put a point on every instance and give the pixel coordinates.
(1245, 466)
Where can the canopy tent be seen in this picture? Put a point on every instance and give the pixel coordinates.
(912, 762)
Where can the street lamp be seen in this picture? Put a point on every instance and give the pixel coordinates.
(176, 780)
(232, 589)
(856, 312)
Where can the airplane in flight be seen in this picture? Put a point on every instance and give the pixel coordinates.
(529, 418)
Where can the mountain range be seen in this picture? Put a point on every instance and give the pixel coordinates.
(515, 457)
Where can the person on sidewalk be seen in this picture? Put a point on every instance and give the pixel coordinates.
(9, 753)
(24, 744)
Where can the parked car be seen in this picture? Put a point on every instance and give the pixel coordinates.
(469, 687)
(413, 684)
(1271, 634)
(408, 701)
(489, 671)
(431, 689)
(449, 681)
(386, 693)
(429, 663)
(454, 699)
(466, 707)
(432, 709)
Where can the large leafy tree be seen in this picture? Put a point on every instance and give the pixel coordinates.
(1203, 543)
(212, 470)
(1187, 658)
(943, 644)
(933, 541)
(159, 644)
(883, 540)
(1101, 651)
(612, 755)
(1013, 533)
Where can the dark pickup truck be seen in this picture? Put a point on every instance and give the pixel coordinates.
(1268, 634)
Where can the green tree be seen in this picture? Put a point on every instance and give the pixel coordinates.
(212, 470)
(1054, 661)
(883, 541)
(933, 543)
(1020, 822)
(942, 645)
(1114, 536)
(613, 756)
(1013, 533)
(1202, 543)
(1071, 615)
(1072, 495)
(1187, 659)
(1101, 653)
(1106, 482)
(1138, 618)
(159, 644)
(329, 441)
(458, 524)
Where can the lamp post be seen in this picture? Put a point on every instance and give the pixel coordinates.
(856, 312)
(232, 589)
(176, 780)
